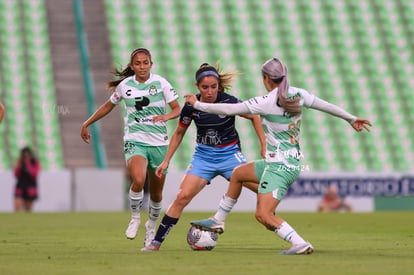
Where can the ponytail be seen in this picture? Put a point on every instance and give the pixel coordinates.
(277, 71)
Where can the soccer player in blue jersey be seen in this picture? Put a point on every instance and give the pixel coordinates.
(217, 149)
(280, 111)
(146, 96)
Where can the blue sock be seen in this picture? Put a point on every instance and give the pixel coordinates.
(167, 223)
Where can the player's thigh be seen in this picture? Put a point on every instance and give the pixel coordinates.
(137, 168)
(245, 172)
(190, 186)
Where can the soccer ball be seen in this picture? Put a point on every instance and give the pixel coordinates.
(200, 239)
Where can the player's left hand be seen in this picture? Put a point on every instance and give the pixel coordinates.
(361, 124)
(162, 118)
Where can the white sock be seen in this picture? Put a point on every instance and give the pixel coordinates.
(287, 233)
(154, 210)
(135, 203)
(225, 206)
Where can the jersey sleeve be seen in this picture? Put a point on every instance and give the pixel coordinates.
(306, 98)
(258, 104)
(169, 93)
(116, 96)
(185, 116)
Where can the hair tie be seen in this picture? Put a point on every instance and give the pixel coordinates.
(207, 73)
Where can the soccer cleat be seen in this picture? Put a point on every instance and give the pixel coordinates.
(132, 229)
(149, 235)
(210, 224)
(299, 249)
(153, 246)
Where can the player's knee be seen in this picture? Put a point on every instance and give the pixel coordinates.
(260, 217)
(137, 185)
(183, 198)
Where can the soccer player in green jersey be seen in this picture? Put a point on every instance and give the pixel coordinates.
(280, 111)
(145, 139)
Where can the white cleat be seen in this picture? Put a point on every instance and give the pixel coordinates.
(149, 235)
(132, 229)
(300, 249)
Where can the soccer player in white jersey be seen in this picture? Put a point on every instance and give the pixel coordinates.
(145, 139)
(280, 111)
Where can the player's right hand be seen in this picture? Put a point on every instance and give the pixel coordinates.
(159, 172)
(85, 135)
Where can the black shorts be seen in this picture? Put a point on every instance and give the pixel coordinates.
(28, 193)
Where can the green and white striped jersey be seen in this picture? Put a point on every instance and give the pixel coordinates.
(143, 101)
(282, 130)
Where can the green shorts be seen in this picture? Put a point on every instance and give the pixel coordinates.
(154, 154)
(274, 177)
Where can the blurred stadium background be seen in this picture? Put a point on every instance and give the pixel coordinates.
(57, 56)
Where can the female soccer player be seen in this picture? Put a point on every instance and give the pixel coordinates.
(217, 150)
(280, 111)
(145, 140)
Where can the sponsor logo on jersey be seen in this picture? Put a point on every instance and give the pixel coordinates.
(173, 91)
(186, 120)
(212, 137)
(196, 114)
(115, 96)
(141, 102)
(142, 120)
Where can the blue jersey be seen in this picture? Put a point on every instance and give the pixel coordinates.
(212, 130)
(218, 145)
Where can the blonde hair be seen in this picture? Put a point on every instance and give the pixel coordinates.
(277, 72)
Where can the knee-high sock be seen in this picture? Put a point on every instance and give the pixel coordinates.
(135, 203)
(167, 223)
(225, 206)
(154, 210)
(287, 233)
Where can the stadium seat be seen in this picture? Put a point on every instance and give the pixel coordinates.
(351, 53)
(45, 109)
(19, 132)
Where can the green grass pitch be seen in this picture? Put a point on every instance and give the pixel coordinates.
(94, 243)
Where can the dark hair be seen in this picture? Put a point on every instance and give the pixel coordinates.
(224, 78)
(277, 72)
(127, 71)
(27, 150)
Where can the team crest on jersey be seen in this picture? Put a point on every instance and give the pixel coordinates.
(152, 90)
(129, 148)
